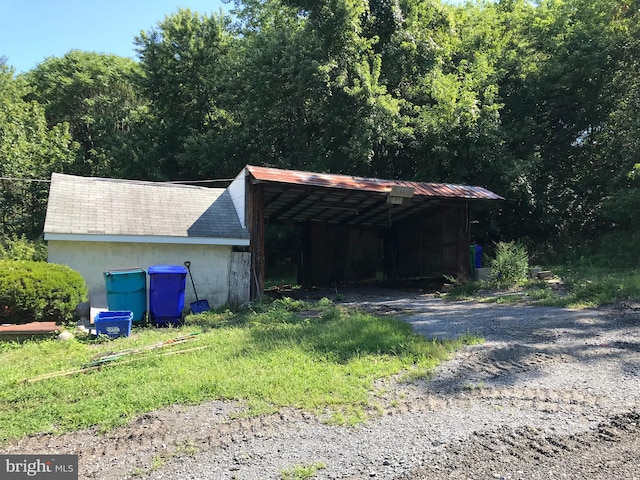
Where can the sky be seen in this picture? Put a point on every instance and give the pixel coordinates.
(32, 30)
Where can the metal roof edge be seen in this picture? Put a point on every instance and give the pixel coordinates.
(328, 180)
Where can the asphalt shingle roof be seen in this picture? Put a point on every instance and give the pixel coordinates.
(104, 206)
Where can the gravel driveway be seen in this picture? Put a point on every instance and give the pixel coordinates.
(552, 393)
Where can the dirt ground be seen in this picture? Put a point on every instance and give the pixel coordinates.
(552, 393)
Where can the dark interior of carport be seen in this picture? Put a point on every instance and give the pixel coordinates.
(355, 230)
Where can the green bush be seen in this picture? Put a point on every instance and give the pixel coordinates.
(21, 248)
(38, 291)
(511, 264)
(613, 249)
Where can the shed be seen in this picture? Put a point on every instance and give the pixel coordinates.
(354, 229)
(99, 224)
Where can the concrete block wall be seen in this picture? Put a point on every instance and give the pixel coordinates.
(209, 265)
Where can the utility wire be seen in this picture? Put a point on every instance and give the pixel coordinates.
(25, 179)
(201, 181)
(13, 179)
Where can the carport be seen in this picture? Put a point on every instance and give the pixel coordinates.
(356, 229)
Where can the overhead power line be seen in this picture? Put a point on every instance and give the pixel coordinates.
(202, 181)
(12, 179)
(42, 180)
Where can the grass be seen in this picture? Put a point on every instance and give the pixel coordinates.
(581, 287)
(316, 357)
(302, 472)
(591, 286)
(280, 281)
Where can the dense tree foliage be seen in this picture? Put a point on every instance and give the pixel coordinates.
(185, 64)
(96, 96)
(29, 150)
(535, 100)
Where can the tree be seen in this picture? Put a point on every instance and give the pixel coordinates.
(97, 96)
(29, 150)
(312, 89)
(559, 108)
(184, 74)
(620, 135)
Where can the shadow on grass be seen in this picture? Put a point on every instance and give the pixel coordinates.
(340, 335)
(328, 332)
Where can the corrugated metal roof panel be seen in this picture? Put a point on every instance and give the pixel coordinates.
(441, 190)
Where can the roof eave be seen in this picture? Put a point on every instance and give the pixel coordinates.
(268, 175)
(156, 239)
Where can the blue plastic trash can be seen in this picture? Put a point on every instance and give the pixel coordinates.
(127, 291)
(167, 284)
(478, 256)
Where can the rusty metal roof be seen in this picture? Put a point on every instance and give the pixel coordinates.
(296, 197)
(440, 190)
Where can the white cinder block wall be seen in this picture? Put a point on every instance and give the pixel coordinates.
(209, 265)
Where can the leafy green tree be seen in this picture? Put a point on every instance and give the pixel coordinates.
(558, 109)
(313, 95)
(29, 150)
(97, 96)
(619, 136)
(184, 75)
(435, 67)
(283, 89)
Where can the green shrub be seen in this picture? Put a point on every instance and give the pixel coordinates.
(613, 249)
(39, 291)
(511, 264)
(21, 248)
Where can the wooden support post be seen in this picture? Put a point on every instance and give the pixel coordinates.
(256, 233)
(463, 241)
(306, 267)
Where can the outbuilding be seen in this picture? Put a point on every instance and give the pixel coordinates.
(356, 229)
(97, 224)
(350, 229)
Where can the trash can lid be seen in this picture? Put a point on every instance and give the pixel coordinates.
(123, 271)
(166, 269)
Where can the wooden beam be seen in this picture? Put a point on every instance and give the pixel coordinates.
(463, 240)
(255, 202)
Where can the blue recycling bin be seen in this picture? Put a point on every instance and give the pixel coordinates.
(127, 291)
(113, 324)
(167, 285)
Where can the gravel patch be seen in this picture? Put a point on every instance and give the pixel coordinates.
(552, 393)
